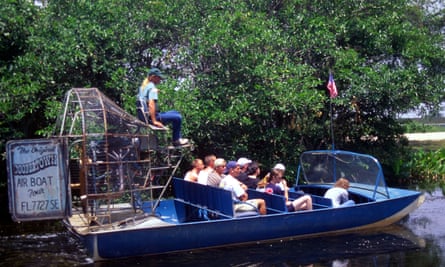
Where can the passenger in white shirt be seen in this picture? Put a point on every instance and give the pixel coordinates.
(339, 194)
(229, 182)
(209, 162)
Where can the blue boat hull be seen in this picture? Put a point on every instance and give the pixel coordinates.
(206, 234)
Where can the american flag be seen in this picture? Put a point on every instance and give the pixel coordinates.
(332, 87)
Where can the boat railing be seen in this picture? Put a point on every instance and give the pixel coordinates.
(377, 191)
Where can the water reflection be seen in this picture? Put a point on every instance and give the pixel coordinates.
(42, 249)
(417, 241)
(427, 222)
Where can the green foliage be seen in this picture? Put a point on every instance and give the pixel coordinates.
(249, 77)
(250, 89)
(16, 20)
(429, 166)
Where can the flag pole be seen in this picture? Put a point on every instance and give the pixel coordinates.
(332, 124)
(332, 88)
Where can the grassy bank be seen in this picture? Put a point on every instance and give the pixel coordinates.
(421, 126)
(427, 145)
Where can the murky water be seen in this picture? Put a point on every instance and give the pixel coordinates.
(417, 241)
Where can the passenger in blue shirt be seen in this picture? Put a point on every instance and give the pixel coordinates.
(273, 187)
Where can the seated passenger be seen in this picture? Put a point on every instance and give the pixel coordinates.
(192, 175)
(148, 110)
(339, 194)
(243, 164)
(253, 171)
(280, 168)
(215, 177)
(239, 193)
(273, 187)
(209, 162)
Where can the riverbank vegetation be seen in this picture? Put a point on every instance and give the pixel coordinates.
(425, 162)
(249, 77)
(429, 166)
(419, 126)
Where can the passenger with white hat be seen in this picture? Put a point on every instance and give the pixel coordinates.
(243, 163)
(281, 169)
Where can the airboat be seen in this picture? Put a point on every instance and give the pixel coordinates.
(111, 179)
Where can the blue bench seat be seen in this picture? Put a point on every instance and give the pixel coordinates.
(274, 203)
(277, 203)
(213, 200)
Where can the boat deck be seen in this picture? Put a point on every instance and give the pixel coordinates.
(121, 216)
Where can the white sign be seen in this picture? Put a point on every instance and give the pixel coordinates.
(36, 180)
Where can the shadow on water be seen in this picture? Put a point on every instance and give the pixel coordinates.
(417, 241)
